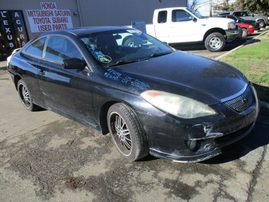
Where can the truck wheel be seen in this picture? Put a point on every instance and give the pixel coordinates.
(214, 42)
(244, 32)
(128, 41)
(261, 24)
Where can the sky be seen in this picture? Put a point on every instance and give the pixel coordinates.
(200, 1)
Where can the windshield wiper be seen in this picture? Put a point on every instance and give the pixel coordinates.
(159, 54)
(123, 62)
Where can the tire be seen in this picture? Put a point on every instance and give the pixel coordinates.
(126, 132)
(244, 32)
(261, 24)
(215, 42)
(25, 96)
(128, 41)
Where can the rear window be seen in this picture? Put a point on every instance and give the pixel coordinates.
(162, 17)
(36, 48)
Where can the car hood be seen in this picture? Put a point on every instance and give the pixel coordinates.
(258, 15)
(197, 77)
(247, 21)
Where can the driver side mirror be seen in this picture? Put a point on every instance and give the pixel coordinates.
(73, 63)
(193, 18)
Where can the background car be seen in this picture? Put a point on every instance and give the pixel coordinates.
(241, 20)
(247, 26)
(151, 98)
(247, 29)
(261, 20)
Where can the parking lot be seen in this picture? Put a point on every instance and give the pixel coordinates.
(199, 49)
(46, 157)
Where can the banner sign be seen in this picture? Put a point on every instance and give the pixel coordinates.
(49, 18)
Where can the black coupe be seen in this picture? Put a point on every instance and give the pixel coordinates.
(151, 98)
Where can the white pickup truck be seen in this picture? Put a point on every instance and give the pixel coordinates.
(184, 25)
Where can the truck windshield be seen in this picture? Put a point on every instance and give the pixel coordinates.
(197, 14)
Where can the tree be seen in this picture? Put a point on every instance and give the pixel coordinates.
(255, 6)
(223, 5)
(192, 3)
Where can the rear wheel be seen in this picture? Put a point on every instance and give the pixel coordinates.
(25, 96)
(126, 132)
(214, 42)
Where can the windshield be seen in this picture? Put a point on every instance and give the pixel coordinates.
(197, 14)
(123, 46)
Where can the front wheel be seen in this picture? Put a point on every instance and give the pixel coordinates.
(128, 41)
(126, 132)
(214, 42)
(25, 96)
(244, 32)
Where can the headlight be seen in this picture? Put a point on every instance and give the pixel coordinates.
(231, 25)
(177, 105)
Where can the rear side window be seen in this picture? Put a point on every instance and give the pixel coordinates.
(36, 48)
(162, 17)
(239, 14)
(245, 14)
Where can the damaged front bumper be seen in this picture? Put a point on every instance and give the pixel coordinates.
(195, 140)
(211, 147)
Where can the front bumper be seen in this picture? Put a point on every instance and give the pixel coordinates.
(232, 34)
(194, 140)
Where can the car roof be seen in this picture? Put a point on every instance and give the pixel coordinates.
(228, 12)
(169, 8)
(85, 30)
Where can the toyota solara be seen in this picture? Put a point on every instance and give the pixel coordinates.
(151, 98)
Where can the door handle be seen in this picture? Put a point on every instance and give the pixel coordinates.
(41, 73)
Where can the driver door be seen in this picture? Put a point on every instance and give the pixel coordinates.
(66, 91)
(182, 28)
